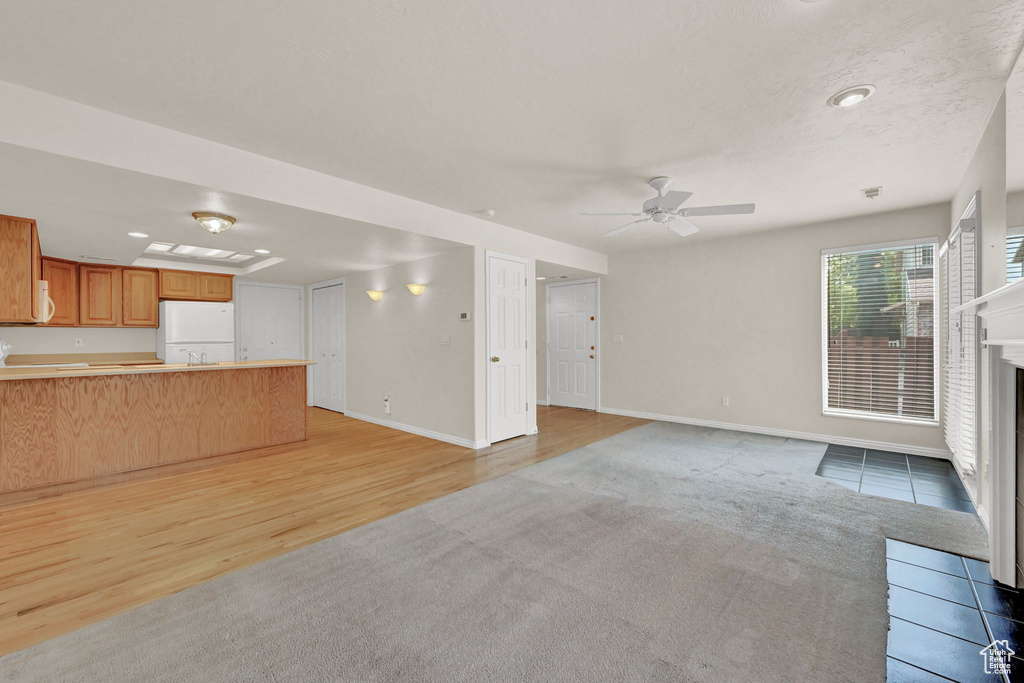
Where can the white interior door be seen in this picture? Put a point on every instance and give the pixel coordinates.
(269, 322)
(572, 345)
(506, 347)
(329, 347)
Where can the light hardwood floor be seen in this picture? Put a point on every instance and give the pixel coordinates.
(70, 556)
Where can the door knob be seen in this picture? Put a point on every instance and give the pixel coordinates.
(494, 359)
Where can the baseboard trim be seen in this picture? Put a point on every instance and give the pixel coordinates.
(419, 431)
(787, 433)
(543, 403)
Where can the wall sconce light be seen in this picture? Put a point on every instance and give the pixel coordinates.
(374, 294)
(416, 289)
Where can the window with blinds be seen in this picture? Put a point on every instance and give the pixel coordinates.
(1015, 254)
(959, 276)
(878, 332)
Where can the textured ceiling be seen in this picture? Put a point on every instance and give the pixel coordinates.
(541, 110)
(1015, 129)
(85, 209)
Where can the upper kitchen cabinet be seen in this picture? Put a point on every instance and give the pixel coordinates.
(22, 299)
(179, 284)
(139, 297)
(187, 285)
(62, 279)
(100, 301)
(215, 287)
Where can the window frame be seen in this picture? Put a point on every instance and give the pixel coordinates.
(826, 411)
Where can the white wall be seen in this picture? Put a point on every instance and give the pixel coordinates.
(393, 345)
(741, 317)
(34, 340)
(1015, 208)
(987, 173)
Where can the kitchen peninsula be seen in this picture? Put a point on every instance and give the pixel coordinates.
(61, 425)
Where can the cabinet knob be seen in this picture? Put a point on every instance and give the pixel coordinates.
(591, 355)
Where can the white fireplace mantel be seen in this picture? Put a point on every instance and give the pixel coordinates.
(1002, 313)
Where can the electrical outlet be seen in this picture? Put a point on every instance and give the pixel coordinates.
(446, 340)
(79, 341)
(387, 404)
(725, 401)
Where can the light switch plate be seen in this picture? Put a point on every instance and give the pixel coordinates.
(617, 338)
(465, 316)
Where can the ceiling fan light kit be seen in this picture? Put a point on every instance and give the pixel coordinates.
(665, 209)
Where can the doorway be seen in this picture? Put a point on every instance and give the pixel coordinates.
(572, 344)
(507, 360)
(328, 346)
(269, 321)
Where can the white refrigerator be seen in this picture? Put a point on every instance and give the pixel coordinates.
(195, 326)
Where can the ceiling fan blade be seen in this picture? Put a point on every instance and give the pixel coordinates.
(669, 201)
(616, 231)
(673, 198)
(613, 214)
(682, 227)
(723, 210)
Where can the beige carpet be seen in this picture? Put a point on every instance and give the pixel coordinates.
(667, 553)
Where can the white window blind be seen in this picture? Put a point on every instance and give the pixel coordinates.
(958, 263)
(878, 332)
(1015, 254)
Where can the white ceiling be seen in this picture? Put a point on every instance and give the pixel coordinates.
(1015, 129)
(85, 209)
(542, 110)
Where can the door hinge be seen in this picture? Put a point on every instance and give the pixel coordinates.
(527, 406)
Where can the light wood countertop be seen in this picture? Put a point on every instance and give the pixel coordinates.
(93, 371)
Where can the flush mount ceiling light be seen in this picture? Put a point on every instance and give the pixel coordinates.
(542, 278)
(214, 222)
(416, 289)
(137, 234)
(262, 251)
(851, 96)
(374, 294)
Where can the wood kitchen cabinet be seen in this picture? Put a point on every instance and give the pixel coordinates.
(140, 304)
(21, 268)
(215, 287)
(99, 288)
(179, 284)
(62, 277)
(187, 285)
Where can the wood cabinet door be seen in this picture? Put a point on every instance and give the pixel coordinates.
(215, 287)
(99, 289)
(179, 284)
(62, 277)
(140, 305)
(19, 269)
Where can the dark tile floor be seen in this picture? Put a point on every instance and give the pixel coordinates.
(913, 478)
(943, 609)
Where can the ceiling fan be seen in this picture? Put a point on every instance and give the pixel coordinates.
(665, 209)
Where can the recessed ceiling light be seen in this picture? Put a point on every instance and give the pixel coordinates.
(262, 251)
(851, 96)
(542, 278)
(214, 222)
(137, 234)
